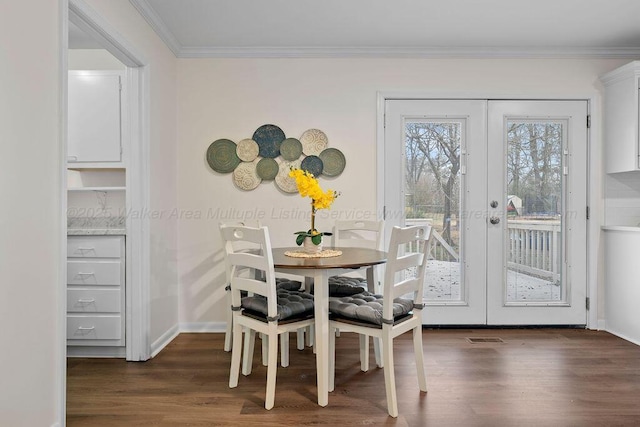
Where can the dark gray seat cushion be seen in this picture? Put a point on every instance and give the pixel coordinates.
(367, 307)
(291, 304)
(290, 285)
(340, 286)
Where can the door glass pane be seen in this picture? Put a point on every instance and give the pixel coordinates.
(432, 195)
(534, 207)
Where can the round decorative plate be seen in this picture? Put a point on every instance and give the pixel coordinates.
(313, 142)
(313, 165)
(247, 150)
(333, 161)
(245, 176)
(267, 168)
(221, 156)
(291, 149)
(269, 138)
(283, 180)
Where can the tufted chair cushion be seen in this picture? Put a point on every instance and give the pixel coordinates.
(291, 304)
(367, 307)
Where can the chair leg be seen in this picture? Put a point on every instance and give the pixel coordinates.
(236, 351)
(247, 355)
(377, 353)
(300, 333)
(364, 352)
(265, 349)
(417, 349)
(284, 349)
(272, 369)
(332, 359)
(228, 333)
(389, 374)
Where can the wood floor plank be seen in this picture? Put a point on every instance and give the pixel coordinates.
(535, 377)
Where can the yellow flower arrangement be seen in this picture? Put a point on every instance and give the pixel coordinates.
(308, 186)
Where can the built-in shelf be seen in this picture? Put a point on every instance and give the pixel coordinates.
(96, 189)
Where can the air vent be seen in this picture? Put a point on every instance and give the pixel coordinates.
(479, 340)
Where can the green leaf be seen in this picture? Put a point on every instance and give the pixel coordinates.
(317, 239)
(300, 239)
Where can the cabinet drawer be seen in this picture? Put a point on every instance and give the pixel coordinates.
(94, 327)
(94, 272)
(93, 300)
(94, 246)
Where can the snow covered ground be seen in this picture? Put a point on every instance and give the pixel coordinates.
(443, 283)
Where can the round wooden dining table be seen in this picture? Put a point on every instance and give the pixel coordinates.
(319, 269)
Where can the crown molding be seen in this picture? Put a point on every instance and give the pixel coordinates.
(158, 25)
(407, 52)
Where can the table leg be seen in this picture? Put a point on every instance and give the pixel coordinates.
(321, 302)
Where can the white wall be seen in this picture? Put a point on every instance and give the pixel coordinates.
(31, 235)
(162, 111)
(230, 98)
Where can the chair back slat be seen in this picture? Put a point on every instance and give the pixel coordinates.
(258, 258)
(405, 272)
(358, 234)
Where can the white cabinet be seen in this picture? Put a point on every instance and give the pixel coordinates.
(621, 118)
(622, 281)
(94, 117)
(95, 291)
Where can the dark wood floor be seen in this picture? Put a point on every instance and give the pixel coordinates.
(536, 377)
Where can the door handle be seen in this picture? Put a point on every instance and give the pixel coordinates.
(494, 220)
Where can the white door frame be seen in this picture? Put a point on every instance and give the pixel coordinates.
(137, 318)
(594, 190)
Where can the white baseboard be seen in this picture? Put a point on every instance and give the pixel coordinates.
(203, 327)
(624, 337)
(164, 339)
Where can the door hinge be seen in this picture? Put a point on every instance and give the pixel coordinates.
(588, 122)
(588, 303)
(384, 212)
(588, 212)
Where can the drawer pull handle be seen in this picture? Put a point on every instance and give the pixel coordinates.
(83, 328)
(86, 301)
(85, 274)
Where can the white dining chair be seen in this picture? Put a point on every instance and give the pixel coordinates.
(367, 234)
(397, 311)
(280, 282)
(266, 309)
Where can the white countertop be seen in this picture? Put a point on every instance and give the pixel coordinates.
(96, 226)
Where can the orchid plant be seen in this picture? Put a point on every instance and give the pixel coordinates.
(308, 186)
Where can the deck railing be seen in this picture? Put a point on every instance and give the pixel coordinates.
(533, 247)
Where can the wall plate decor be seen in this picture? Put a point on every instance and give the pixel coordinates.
(333, 161)
(313, 142)
(269, 156)
(247, 150)
(269, 138)
(245, 176)
(291, 149)
(313, 165)
(267, 168)
(222, 157)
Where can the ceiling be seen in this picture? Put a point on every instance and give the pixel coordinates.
(313, 28)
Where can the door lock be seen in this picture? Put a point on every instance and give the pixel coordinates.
(494, 204)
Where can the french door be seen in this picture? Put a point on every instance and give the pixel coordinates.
(503, 184)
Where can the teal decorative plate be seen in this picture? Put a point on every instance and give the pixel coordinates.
(291, 149)
(222, 157)
(269, 138)
(313, 165)
(267, 169)
(333, 161)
